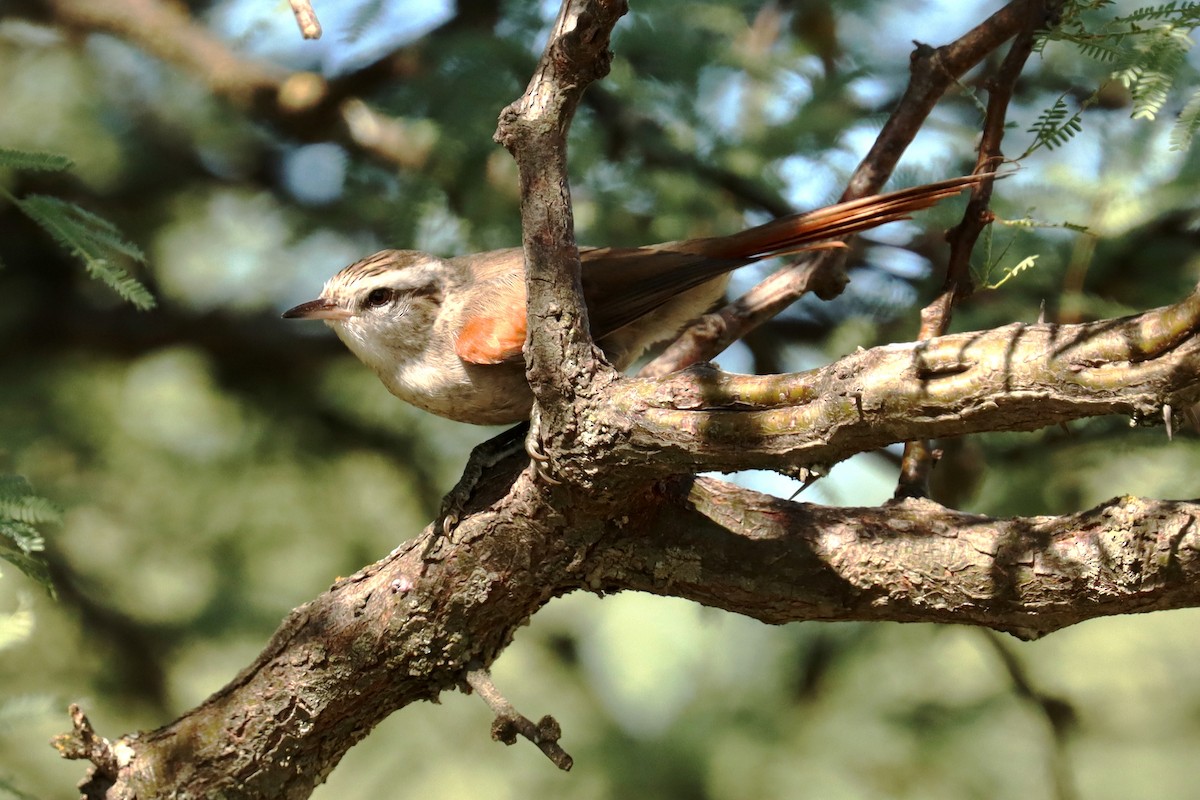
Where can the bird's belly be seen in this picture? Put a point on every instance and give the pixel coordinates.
(493, 394)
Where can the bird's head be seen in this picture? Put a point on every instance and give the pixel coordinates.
(383, 307)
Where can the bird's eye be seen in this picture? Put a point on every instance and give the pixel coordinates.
(379, 297)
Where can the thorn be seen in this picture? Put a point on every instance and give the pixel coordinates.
(811, 476)
(1041, 320)
(1167, 420)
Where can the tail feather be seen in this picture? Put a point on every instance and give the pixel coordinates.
(793, 234)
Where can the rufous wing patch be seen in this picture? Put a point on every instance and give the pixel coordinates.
(491, 339)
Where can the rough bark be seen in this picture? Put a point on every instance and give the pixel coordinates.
(415, 624)
(614, 505)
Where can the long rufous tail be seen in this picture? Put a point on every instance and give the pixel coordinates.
(789, 235)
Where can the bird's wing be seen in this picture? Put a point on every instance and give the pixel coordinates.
(492, 338)
(493, 325)
(620, 285)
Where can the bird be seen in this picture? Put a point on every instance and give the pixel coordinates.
(447, 334)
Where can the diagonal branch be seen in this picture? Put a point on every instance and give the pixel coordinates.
(933, 73)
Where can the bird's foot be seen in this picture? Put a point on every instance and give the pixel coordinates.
(483, 457)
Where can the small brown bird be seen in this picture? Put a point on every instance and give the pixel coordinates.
(447, 334)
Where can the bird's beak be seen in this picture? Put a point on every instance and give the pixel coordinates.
(321, 308)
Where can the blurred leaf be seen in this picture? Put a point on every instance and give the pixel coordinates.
(20, 541)
(92, 239)
(8, 789)
(26, 159)
(14, 629)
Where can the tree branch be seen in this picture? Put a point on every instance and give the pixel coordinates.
(1018, 377)
(933, 72)
(416, 623)
(406, 629)
(918, 456)
(911, 560)
(562, 361)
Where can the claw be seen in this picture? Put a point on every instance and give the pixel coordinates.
(542, 470)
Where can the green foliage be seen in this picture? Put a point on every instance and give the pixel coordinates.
(15, 627)
(22, 159)
(984, 277)
(93, 240)
(20, 512)
(1054, 128)
(1187, 124)
(1154, 69)
(90, 238)
(1146, 51)
(1013, 271)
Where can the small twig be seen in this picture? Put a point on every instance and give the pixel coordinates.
(306, 18)
(918, 458)
(1059, 714)
(510, 723)
(934, 71)
(628, 129)
(83, 743)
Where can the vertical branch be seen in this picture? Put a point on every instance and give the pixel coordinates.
(919, 456)
(559, 352)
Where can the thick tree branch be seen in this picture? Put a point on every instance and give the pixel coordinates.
(418, 622)
(912, 560)
(408, 628)
(562, 361)
(1018, 377)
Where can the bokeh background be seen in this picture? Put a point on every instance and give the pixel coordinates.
(217, 466)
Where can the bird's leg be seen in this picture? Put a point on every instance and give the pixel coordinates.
(485, 456)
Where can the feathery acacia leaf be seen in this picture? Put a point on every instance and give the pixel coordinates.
(32, 159)
(1054, 128)
(20, 541)
(1187, 124)
(1026, 263)
(1147, 50)
(93, 240)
